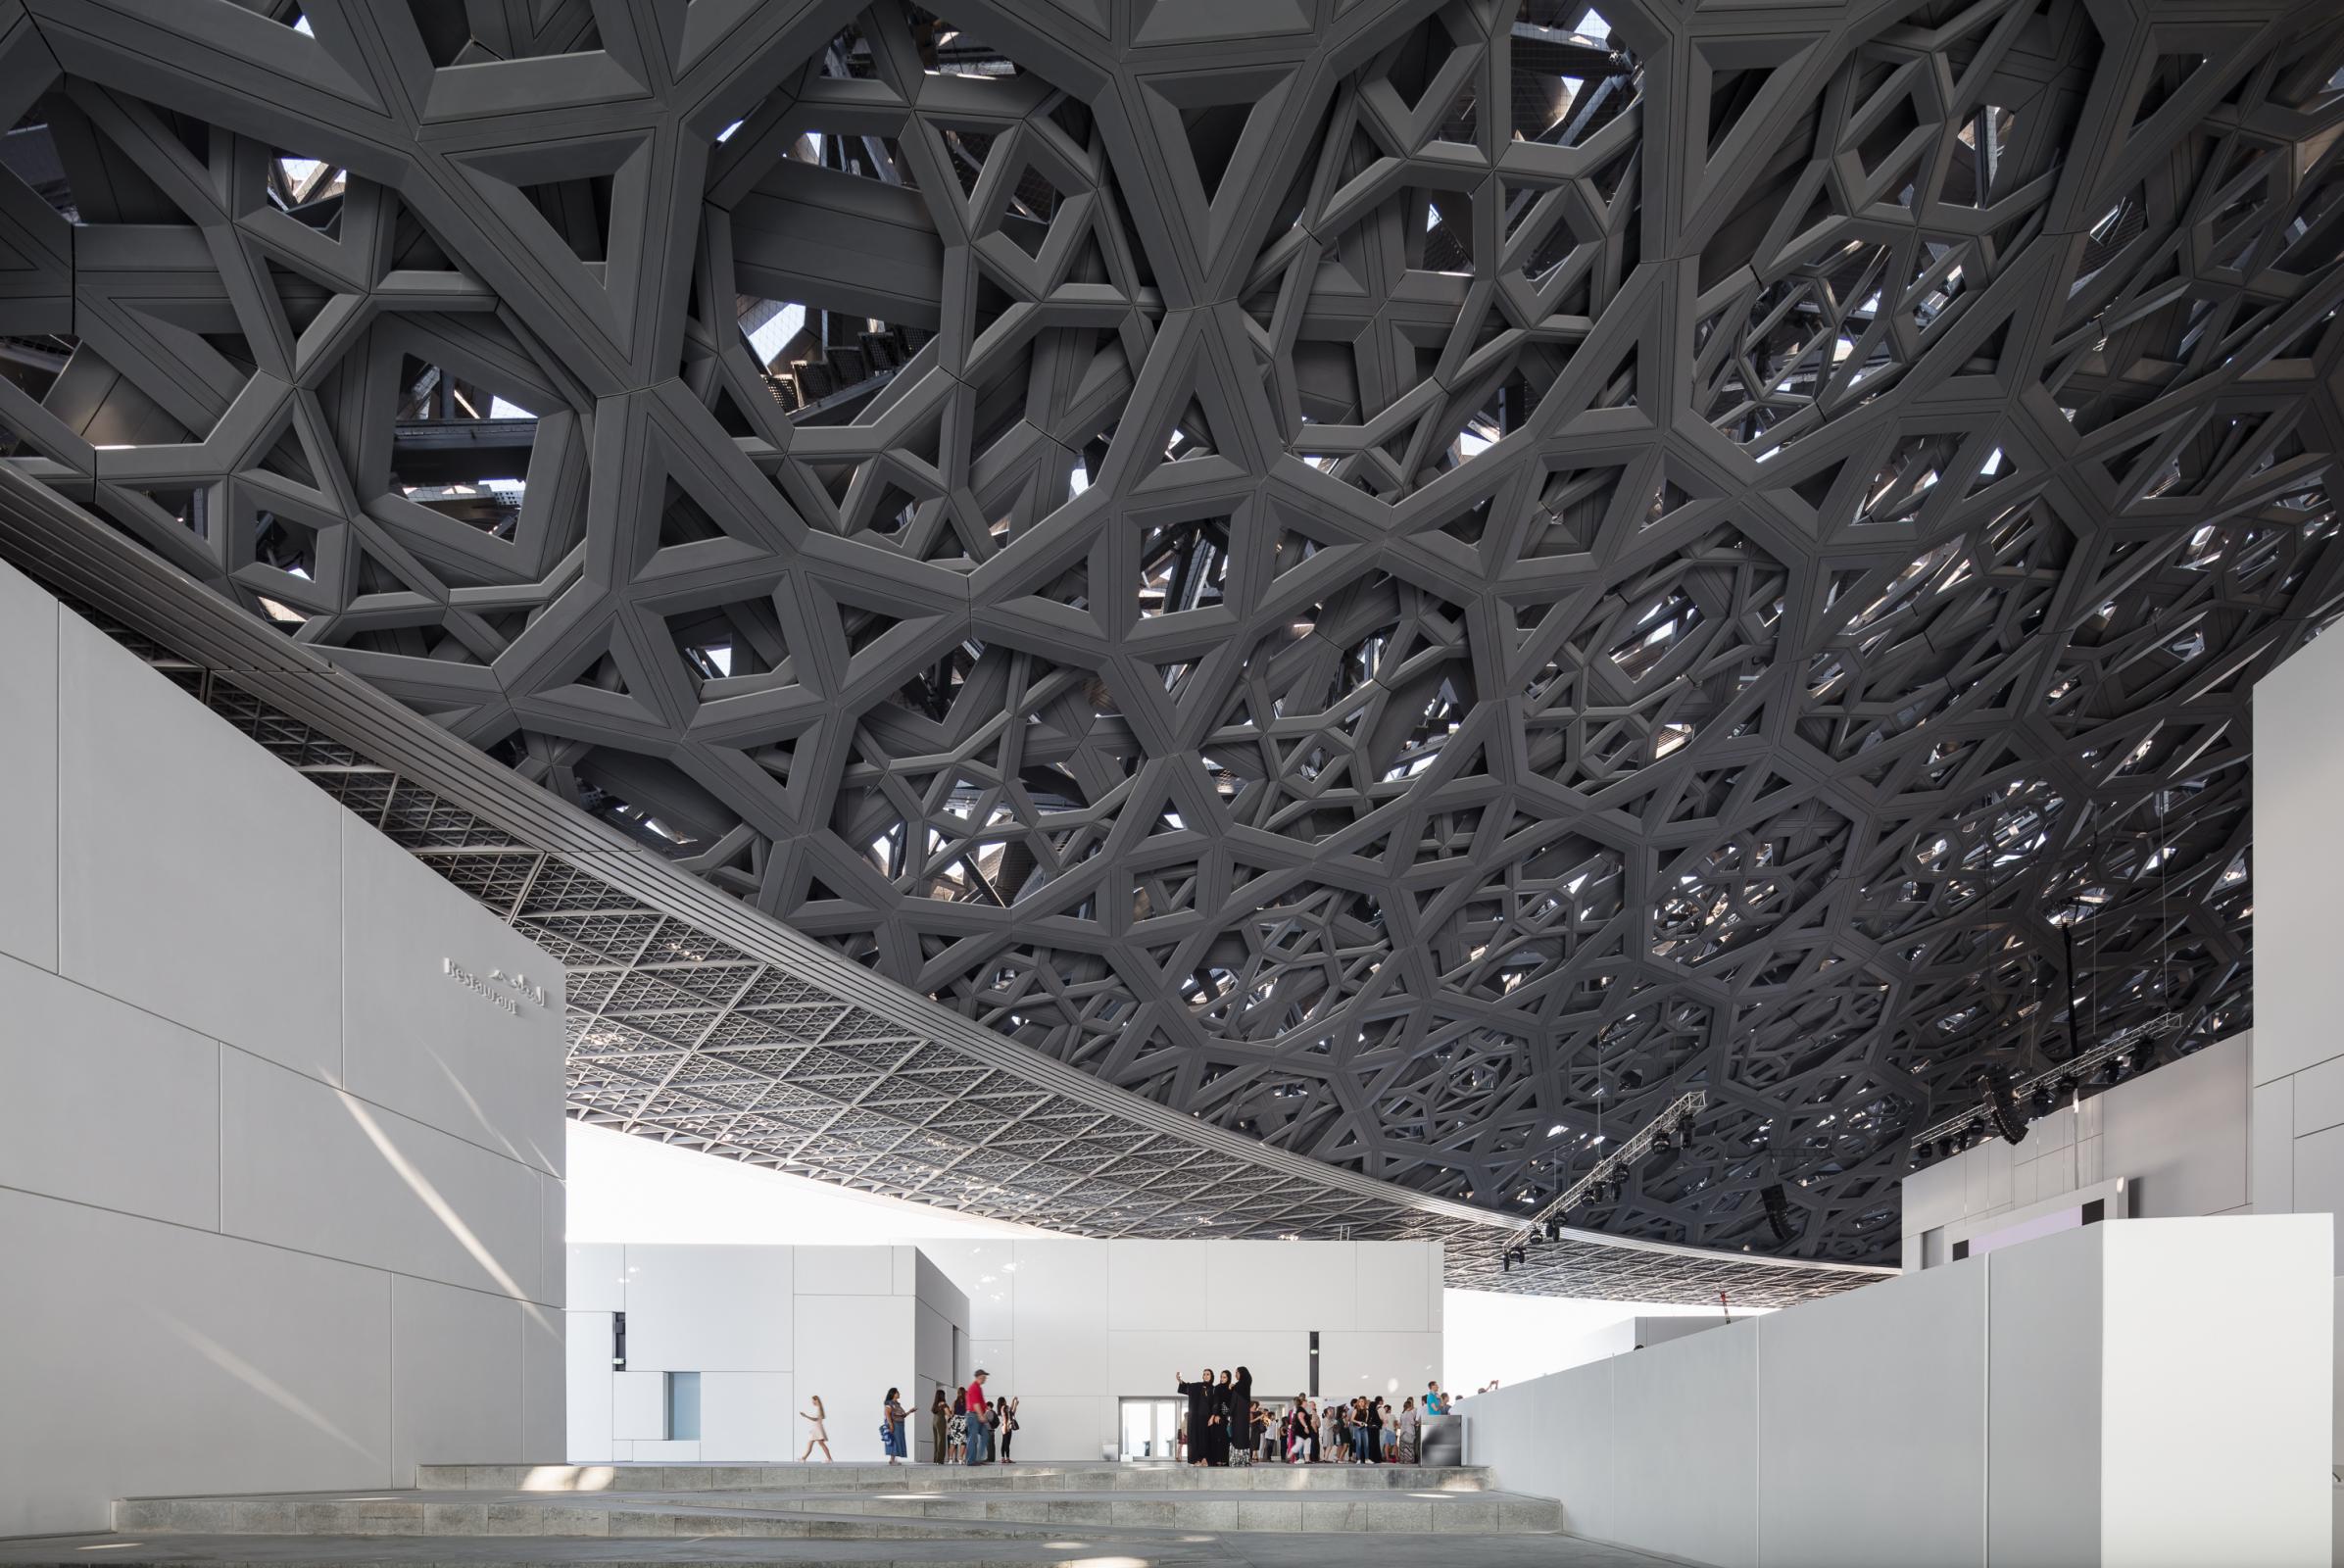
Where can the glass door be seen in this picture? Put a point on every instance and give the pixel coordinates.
(1151, 1427)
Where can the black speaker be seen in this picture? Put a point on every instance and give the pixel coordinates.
(2003, 1107)
(1778, 1210)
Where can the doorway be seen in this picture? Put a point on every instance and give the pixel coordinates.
(1151, 1427)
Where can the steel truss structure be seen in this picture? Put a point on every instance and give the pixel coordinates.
(1399, 580)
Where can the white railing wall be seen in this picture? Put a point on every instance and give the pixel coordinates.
(2135, 1392)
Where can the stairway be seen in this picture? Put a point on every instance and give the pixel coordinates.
(868, 1503)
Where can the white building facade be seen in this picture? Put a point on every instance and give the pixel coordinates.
(281, 1183)
(1089, 1336)
(693, 1354)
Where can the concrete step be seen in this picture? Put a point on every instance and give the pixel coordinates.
(948, 1478)
(1067, 1548)
(801, 1512)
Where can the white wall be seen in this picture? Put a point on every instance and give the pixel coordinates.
(2176, 1138)
(2298, 860)
(2296, 1149)
(2056, 1402)
(1070, 1327)
(282, 1201)
(766, 1327)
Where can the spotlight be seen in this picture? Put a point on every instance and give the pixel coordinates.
(1555, 1229)
(2069, 1088)
(2043, 1102)
(1661, 1144)
(1924, 1152)
(1777, 1210)
(2144, 1052)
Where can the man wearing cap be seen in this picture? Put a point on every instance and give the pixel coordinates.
(980, 1436)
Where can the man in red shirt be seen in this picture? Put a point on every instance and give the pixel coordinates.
(980, 1435)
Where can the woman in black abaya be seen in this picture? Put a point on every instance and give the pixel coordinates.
(1224, 1413)
(1240, 1415)
(1198, 1428)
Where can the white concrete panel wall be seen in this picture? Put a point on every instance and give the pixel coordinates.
(766, 1327)
(1059, 1332)
(1552, 1437)
(2107, 1426)
(2298, 860)
(1827, 1494)
(711, 1308)
(2043, 1301)
(850, 1350)
(471, 1408)
(28, 629)
(2178, 1136)
(932, 1369)
(1652, 1448)
(419, 1049)
(165, 874)
(167, 1339)
(746, 1414)
(67, 1054)
(2214, 1446)
(596, 1272)
(300, 1181)
(1154, 1284)
(545, 1381)
(1399, 1290)
(847, 1271)
(638, 1407)
(940, 1322)
(1272, 1285)
(314, 1168)
(2297, 1155)
(586, 1349)
(1149, 1360)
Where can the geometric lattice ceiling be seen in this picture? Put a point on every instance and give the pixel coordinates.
(1403, 577)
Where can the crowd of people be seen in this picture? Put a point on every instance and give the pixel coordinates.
(967, 1426)
(1224, 1425)
(1227, 1425)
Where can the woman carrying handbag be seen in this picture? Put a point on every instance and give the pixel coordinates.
(891, 1426)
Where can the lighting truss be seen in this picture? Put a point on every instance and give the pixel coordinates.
(1676, 1119)
(2078, 1068)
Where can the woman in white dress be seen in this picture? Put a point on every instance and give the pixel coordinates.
(821, 1433)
